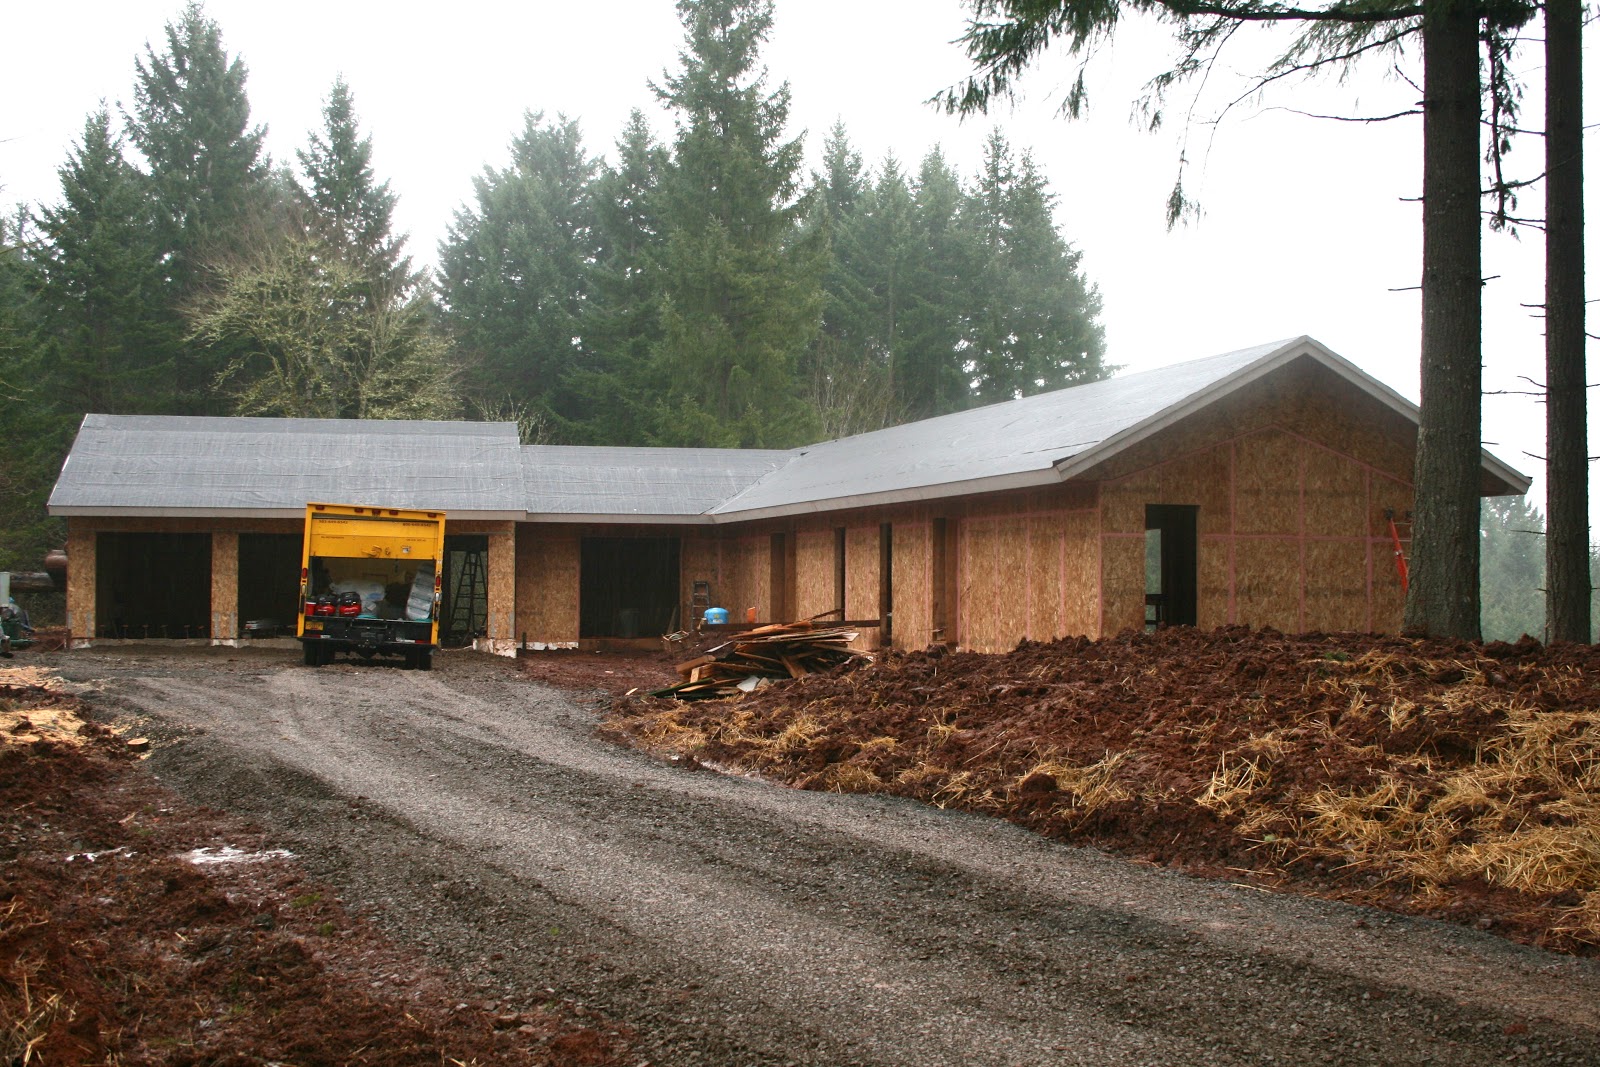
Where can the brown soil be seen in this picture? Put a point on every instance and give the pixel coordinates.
(116, 948)
(1445, 779)
(616, 674)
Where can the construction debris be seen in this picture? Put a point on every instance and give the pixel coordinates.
(754, 659)
(1455, 780)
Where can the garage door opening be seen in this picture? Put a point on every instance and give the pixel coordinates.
(628, 586)
(153, 585)
(269, 583)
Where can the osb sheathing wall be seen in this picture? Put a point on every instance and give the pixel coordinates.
(1292, 532)
(736, 564)
(1027, 572)
(913, 584)
(81, 570)
(548, 558)
(501, 622)
(813, 571)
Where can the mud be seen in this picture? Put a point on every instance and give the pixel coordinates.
(471, 815)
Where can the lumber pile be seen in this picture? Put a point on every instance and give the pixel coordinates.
(754, 659)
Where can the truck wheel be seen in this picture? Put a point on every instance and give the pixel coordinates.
(313, 654)
(425, 660)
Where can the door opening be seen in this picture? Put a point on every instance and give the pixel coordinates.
(1171, 565)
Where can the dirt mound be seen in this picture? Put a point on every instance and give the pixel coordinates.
(1449, 779)
(133, 929)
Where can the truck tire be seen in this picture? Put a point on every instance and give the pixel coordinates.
(425, 660)
(313, 654)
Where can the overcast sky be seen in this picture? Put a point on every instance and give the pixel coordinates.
(1309, 227)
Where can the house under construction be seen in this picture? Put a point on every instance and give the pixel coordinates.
(1268, 486)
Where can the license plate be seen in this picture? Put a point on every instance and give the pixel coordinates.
(312, 624)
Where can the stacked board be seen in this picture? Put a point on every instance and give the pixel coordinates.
(753, 659)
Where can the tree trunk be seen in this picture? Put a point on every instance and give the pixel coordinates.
(1443, 600)
(1566, 407)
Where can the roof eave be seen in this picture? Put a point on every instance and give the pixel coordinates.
(582, 518)
(85, 511)
(1515, 482)
(1032, 479)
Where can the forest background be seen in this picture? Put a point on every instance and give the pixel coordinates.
(697, 287)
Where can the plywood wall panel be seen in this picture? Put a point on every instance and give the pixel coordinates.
(913, 585)
(80, 579)
(502, 607)
(746, 575)
(699, 558)
(1386, 494)
(224, 585)
(1215, 602)
(813, 558)
(980, 584)
(1335, 494)
(1044, 576)
(861, 572)
(549, 559)
(1080, 573)
(1122, 502)
(1010, 598)
(1388, 601)
(1266, 493)
(861, 579)
(1335, 585)
(1203, 479)
(1122, 584)
(1267, 582)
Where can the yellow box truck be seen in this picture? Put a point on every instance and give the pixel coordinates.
(370, 583)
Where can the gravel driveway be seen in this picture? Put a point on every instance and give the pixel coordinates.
(728, 921)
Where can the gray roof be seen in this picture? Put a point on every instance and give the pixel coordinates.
(175, 465)
(670, 484)
(172, 465)
(1001, 446)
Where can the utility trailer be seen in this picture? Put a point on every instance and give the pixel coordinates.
(370, 582)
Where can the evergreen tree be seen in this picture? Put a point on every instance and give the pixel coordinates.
(742, 288)
(35, 432)
(1032, 325)
(886, 240)
(1566, 402)
(848, 368)
(191, 122)
(514, 272)
(342, 202)
(1512, 569)
(622, 318)
(96, 274)
(211, 187)
(937, 376)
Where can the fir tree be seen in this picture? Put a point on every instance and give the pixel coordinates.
(622, 318)
(344, 205)
(191, 123)
(937, 376)
(742, 294)
(212, 191)
(514, 270)
(96, 274)
(847, 369)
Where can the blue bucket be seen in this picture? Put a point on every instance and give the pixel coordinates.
(716, 616)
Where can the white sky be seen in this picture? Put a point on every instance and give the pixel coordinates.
(1307, 226)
